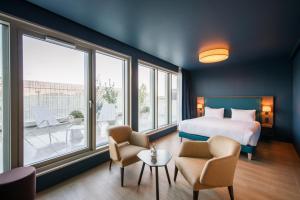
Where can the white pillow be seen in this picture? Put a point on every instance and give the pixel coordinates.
(243, 115)
(214, 112)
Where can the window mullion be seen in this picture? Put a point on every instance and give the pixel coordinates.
(92, 98)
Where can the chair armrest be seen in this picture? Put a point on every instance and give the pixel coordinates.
(194, 149)
(139, 139)
(113, 149)
(219, 172)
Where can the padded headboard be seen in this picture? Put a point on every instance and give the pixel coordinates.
(246, 103)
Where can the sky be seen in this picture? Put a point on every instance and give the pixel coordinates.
(44, 61)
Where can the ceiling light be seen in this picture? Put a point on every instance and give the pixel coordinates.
(213, 55)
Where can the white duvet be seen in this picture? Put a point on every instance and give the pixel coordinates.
(247, 133)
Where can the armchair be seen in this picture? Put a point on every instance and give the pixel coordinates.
(124, 145)
(208, 164)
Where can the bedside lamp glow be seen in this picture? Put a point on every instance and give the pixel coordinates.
(199, 106)
(266, 109)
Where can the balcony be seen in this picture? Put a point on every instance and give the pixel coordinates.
(55, 120)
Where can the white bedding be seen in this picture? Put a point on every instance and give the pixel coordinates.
(247, 133)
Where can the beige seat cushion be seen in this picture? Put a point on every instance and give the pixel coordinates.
(191, 169)
(128, 154)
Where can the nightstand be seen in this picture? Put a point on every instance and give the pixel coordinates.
(267, 131)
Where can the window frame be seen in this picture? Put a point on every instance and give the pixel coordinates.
(36, 35)
(18, 27)
(171, 108)
(157, 68)
(41, 37)
(6, 100)
(167, 87)
(153, 100)
(126, 73)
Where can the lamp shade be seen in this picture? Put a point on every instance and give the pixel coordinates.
(199, 106)
(266, 108)
(213, 55)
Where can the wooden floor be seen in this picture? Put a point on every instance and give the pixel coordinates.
(273, 174)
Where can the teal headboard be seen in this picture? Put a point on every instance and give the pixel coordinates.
(246, 103)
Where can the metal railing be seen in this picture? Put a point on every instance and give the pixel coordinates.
(59, 98)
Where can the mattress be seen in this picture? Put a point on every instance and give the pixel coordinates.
(246, 133)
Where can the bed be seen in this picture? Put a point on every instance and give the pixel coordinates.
(247, 133)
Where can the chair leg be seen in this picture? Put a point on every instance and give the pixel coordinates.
(175, 173)
(195, 195)
(122, 176)
(49, 133)
(150, 169)
(230, 190)
(141, 174)
(67, 137)
(110, 162)
(167, 172)
(249, 156)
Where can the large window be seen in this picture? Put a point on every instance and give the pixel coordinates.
(158, 90)
(174, 98)
(111, 95)
(146, 98)
(59, 95)
(4, 98)
(162, 98)
(54, 99)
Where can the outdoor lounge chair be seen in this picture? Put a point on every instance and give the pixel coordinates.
(44, 119)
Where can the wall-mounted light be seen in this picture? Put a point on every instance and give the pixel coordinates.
(213, 55)
(200, 107)
(266, 109)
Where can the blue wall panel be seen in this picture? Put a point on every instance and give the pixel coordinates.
(264, 78)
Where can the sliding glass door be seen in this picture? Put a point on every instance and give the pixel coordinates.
(55, 96)
(158, 97)
(111, 94)
(162, 98)
(4, 99)
(174, 98)
(146, 98)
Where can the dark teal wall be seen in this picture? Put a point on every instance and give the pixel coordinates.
(296, 101)
(262, 78)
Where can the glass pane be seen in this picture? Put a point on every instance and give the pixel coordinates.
(110, 95)
(4, 99)
(174, 98)
(55, 99)
(146, 98)
(162, 98)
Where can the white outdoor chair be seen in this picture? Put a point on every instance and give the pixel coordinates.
(108, 113)
(44, 118)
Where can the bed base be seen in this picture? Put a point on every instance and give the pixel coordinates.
(250, 150)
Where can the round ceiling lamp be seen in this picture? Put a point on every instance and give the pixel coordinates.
(213, 55)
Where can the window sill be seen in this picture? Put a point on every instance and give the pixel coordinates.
(69, 161)
(152, 132)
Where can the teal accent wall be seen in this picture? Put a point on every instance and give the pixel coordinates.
(260, 78)
(246, 103)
